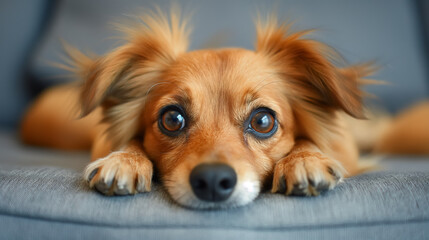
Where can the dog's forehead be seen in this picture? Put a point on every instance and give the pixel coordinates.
(227, 74)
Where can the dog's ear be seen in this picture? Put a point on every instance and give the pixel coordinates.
(153, 43)
(119, 80)
(309, 70)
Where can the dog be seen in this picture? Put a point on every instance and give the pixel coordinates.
(217, 125)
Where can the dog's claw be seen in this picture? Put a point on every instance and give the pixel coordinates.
(92, 174)
(320, 186)
(334, 173)
(121, 190)
(282, 188)
(299, 189)
(312, 182)
(102, 187)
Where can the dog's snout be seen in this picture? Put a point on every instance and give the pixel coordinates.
(213, 182)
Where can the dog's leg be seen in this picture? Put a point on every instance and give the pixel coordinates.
(306, 171)
(128, 171)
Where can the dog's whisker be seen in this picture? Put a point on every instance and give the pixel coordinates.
(257, 88)
(155, 85)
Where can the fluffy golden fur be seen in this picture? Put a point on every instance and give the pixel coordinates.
(123, 92)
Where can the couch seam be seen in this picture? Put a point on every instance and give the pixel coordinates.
(169, 226)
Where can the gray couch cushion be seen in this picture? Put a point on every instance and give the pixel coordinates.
(55, 203)
(14, 155)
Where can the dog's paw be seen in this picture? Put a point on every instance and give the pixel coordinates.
(306, 174)
(120, 173)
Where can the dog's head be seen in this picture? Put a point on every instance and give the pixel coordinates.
(214, 122)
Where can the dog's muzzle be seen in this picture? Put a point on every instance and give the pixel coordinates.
(213, 182)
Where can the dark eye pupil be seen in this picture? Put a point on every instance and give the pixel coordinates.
(262, 122)
(172, 120)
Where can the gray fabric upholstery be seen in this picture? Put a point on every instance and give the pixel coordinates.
(55, 203)
(64, 230)
(20, 22)
(14, 155)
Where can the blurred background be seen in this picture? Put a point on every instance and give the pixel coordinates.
(395, 33)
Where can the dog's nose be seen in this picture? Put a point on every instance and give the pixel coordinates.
(213, 182)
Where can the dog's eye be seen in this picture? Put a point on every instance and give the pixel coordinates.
(171, 120)
(262, 123)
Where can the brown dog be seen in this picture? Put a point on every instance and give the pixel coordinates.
(217, 125)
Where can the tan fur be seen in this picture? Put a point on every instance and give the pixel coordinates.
(294, 76)
(406, 134)
(368, 132)
(52, 121)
